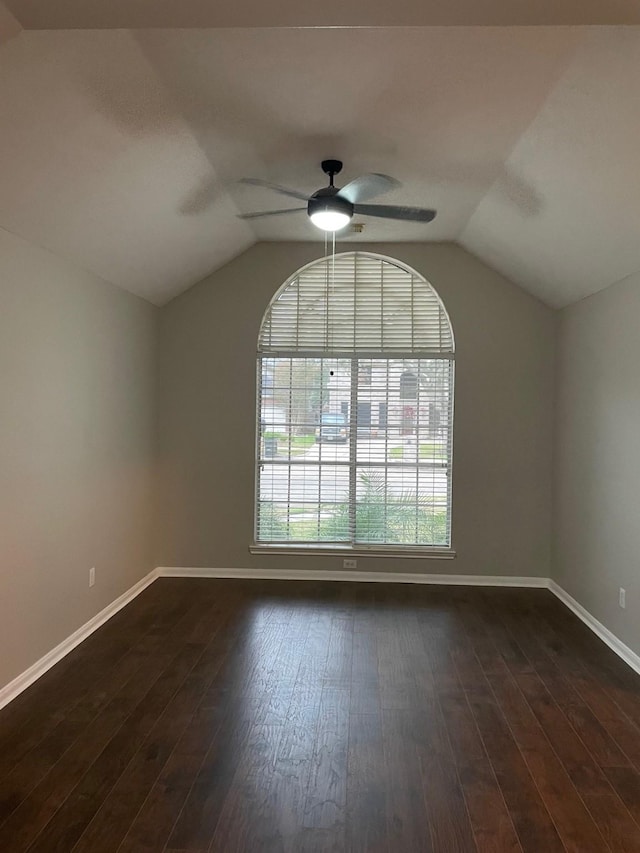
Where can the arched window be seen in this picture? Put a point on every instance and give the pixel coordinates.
(355, 409)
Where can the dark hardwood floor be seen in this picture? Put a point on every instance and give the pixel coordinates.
(277, 716)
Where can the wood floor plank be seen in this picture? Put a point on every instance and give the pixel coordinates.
(199, 816)
(408, 825)
(569, 813)
(254, 814)
(366, 826)
(602, 744)
(73, 683)
(626, 783)
(579, 647)
(338, 670)
(121, 805)
(291, 771)
(65, 828)
(325, 805)
(396, 672)
(589, 686)
(608, 811)
(255, 679)
(291, 717)
(25, 823)
(619, 727)
(32, 815)
(531, 819)
(492, 825)
(446, 808)
(52, 744)
(152, 825)
(574, 733)
(491, 822)
(248, 819)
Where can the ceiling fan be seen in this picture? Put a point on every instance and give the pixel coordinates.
(331, 208)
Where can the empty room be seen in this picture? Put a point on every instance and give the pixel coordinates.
(319, 421)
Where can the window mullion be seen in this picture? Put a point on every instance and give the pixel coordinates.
(417, 472)
(386, 446)
(258, 477)
(353, 448)
(450, 401)
(290, 426)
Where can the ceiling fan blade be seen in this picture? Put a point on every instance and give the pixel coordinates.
(270, 213)
(391, 211)
(368, 186)
(257, 182)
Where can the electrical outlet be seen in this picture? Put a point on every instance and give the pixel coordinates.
(349, 564)
(92, 576)
(622, 598)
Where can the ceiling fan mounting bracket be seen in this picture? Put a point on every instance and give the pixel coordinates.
(331, 168)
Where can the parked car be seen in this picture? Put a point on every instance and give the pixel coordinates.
(333, 427)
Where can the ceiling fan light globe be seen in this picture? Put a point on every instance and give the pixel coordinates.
(328, 210)
(330, 220)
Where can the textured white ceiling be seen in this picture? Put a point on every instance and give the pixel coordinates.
(9, 26)
(581, 231)
(143, 14)
(121, 149)
(97, 164)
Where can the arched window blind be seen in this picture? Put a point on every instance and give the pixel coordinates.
(356, 303)
(355, 409)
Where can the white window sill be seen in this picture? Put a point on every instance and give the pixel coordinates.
(297, 549)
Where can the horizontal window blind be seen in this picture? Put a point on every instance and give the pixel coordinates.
(355, 409)
(356, 302)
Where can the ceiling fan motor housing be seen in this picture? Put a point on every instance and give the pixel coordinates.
(329, 199)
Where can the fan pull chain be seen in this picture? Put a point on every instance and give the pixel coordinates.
(333, 270)
(333, 258)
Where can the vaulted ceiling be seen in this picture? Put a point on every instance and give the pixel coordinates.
(127, 125)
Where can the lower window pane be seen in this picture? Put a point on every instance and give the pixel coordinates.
(401, 506)
(305, 502)
(309, 522)
(380, 425)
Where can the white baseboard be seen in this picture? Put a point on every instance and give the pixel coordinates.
(362, 577)
(25, 679)
(623, 651)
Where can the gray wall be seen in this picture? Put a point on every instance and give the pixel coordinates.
(77, 380)
(597, 460)
(503, 416)
(78, 367)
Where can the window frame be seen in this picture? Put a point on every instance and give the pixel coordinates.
(356, 357)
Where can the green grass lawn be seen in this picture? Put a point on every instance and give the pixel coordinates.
(436, 452)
